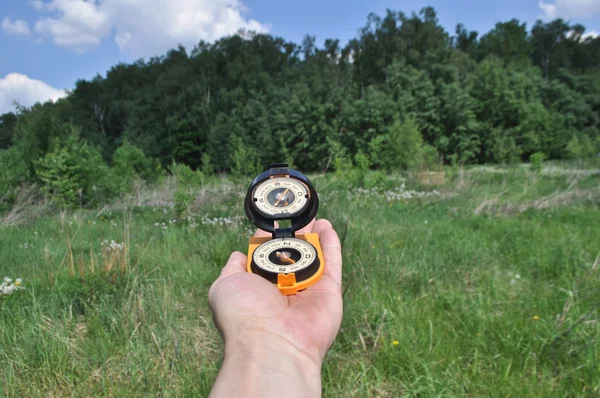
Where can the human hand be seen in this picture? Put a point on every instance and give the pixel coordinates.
(290, 333)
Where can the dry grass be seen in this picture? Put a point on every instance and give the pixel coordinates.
(431, 177)
(558, 199)
(161, 195)
(28, 206)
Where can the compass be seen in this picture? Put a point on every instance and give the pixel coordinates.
(292, 262)
(281, 197)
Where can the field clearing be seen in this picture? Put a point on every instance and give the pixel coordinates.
(488, 285)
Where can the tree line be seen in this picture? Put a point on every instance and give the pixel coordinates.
(403, 93)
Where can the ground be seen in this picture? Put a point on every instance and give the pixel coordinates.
(485, 284)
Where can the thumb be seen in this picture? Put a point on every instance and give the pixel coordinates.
(235, 265)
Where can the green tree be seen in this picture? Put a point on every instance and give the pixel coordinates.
(8, 121)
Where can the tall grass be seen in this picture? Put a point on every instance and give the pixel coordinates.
(443, 296)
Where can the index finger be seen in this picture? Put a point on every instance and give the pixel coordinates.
(332, 249)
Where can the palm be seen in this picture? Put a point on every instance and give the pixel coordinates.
(245, 303)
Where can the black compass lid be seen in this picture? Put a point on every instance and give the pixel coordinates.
(266, 221)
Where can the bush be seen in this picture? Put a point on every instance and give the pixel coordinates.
(207, 168)
(402, 148)
(130, 162)
(503, 148)
(537, 162)
(243, 160)
(187, 182)
(581, 147)
(73, 172)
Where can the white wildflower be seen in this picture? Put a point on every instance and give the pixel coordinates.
(8, 290)
(7, 287)
(112, 246)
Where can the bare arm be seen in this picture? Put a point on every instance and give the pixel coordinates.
(275, 344)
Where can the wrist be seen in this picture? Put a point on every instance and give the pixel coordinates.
(267, 365)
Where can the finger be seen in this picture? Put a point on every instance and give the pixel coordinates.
(332, 249)
(321, 225)
(235, 265)
(308, 229)
(262, 234)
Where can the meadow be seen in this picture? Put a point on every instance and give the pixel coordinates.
(484, 284)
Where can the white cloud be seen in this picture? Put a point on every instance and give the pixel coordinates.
(573, 35)
(16, 27)
(78, 24)
(37, 4)
(592, 34)
(568, 9)
(142, 27)
(19, 88)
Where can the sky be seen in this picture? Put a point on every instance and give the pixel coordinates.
(47, 45)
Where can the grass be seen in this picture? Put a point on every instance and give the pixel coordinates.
(494, 300)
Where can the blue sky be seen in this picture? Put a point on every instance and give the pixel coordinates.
(46, 45)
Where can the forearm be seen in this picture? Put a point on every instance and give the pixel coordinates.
(268, 368)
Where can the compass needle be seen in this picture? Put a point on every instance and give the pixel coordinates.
(285, 257)
(282, 196)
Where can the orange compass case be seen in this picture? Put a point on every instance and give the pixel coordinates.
(286, 283)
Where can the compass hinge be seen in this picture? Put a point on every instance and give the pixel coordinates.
(279, 168)
(281, 233)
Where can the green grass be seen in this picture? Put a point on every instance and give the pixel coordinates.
(437, 275)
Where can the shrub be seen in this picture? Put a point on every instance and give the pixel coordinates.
(243, 160)
(537, 162)
(187, 182)
(342, 162)
(362, 167)
(130, 162)
(207, 168)
(581, 147)
(73, 172)
(402, 148)
(503, 148)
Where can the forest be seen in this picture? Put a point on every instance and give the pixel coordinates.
(403, 94)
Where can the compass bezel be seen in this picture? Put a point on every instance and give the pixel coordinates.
(267, 222)
(305, 269)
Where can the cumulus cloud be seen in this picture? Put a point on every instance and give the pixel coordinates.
(16, 27)
(78, 24)
(142, 27)
(37, 4)
(19, 88)
(573, 35)
(568, 9)
(590, 35)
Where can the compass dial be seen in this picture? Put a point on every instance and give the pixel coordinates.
(284, 256)
(281, 196)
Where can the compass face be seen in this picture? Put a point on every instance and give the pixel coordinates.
(280, 196)
(284, 256)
